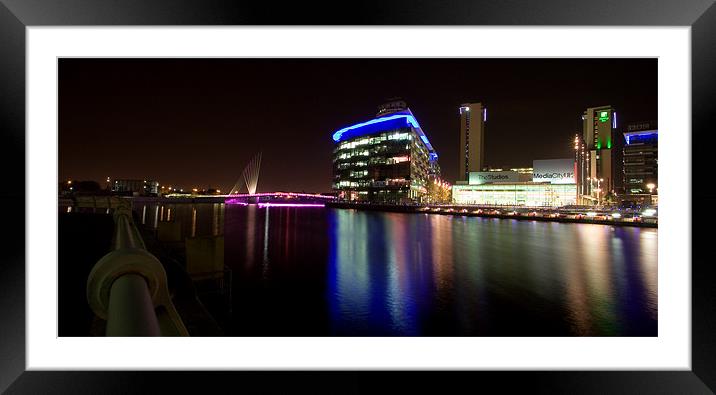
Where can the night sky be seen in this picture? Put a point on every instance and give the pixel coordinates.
(197, 122)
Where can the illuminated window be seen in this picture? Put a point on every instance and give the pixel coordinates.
(398, 159)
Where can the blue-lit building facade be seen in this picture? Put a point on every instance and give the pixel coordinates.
(641, 159)
(387, 159)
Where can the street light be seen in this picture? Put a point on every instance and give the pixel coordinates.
(651, 187)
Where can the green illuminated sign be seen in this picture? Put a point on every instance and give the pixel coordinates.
(603, 116)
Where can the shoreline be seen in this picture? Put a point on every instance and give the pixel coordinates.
(103, 202)
(416, 210)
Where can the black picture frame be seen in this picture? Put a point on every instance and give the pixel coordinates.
(16, 15)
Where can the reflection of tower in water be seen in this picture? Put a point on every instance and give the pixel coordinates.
(193, 221)
(217, 223)
(250, 233)
(265, 263)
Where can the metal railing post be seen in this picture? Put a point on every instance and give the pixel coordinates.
(131, 311)
(128, 287)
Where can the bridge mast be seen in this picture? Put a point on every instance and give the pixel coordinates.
(250, 176)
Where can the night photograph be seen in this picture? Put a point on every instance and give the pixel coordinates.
(357, 197)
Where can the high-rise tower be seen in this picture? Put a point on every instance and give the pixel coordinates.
(472, 139)
(599, 137)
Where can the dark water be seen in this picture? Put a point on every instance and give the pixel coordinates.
(325, 272)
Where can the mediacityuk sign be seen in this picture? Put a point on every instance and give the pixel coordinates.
(555, 171)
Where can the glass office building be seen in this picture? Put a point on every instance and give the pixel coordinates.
(387, 159)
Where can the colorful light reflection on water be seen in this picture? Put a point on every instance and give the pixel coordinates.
(397, 274)
(326, 272)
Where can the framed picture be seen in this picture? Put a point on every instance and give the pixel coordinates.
(304, 218)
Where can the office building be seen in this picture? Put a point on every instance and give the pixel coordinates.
(641, 161)
(471, 153)
(385, 159)
(550, 184)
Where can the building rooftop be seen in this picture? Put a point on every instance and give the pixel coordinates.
(640, 136)
(390, 121)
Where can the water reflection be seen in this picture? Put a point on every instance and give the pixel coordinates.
(323, 272)
(397, 274)
(250, 234)
(349, 278)
(193, 221)
(265, 263)
(648, 268)
(442, 258)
